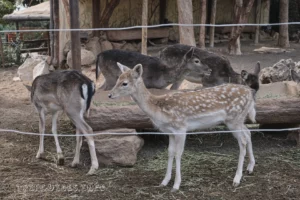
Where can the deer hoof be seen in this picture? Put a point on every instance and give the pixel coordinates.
(174, 190)
(40, 155)
(235, 184)
(92, 172)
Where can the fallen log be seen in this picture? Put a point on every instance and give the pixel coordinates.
(269, 111)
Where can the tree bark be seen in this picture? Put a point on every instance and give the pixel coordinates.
(282, 111)
(202, 21)
(55, 60)
(96, 16)
(257, 20)
(242, 10)
(75, 38)
(185, 16)
(283, 40)
(107, 13)
(1, 52)
(144, 30)
(212, 21)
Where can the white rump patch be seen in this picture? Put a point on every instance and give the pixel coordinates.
(85, 91)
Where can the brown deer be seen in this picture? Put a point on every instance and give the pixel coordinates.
(71, 92)
(184, 111)
(251, 79)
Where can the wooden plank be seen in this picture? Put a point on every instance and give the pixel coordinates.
(212, 21)
(136, 34)
(257, 20)
(51, 33)
(268, 111)
(96, 16)
(144, 30)
(34, 50)
(55, 60)
(75, 38)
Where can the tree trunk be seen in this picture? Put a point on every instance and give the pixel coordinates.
(55, 60)
(1, 52)
(185, 16)
(75, 38)
(96, 16)
(257, 20)
(283, 111)
(283, 40)
(242, 10)
(144, 30)
(202, 21)
(212, 21)
(108, 11)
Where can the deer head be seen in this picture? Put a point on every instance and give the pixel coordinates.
(127, 82)
(194, 64)
(252, 80)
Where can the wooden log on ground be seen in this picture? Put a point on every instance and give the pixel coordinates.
(269, 111)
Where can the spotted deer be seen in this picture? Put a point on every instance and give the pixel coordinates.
(184, 111)
(251, 79)
(71, 92)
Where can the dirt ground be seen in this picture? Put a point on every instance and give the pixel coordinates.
(208, 165)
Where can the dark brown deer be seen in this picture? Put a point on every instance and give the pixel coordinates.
(157, 74)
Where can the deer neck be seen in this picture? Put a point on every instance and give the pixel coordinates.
(143, 97)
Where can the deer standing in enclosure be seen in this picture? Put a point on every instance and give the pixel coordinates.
(71, 92)
(183, 111)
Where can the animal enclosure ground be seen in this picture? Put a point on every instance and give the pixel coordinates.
(208, 164)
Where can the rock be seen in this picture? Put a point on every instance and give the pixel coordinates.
(41, 68)
(106, 45)
(119, 149)
(271, 50)
(87, 58)
(26, 69)
(280, 71)
(16, 79)
(93, 45)
(129, 47)
(118, 45)
(173, 35)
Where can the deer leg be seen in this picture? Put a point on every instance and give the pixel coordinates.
(86, 129)
(78, 147)
(249, 150)
(60, 156)
(242, 145)
(179, 141)
(171, 152)
(40, 153)
(176, 85)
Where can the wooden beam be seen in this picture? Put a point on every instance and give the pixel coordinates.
(144, 30)
(212, 21)
(75, 39)
(257, 20)
(34, 50)
(162, 11)
(18, 54)
(96, 16)
(51, 33)
(202, 21)
(55, 60)
(1, 52)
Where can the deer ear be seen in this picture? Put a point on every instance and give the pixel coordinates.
(189, 54)
(138, 70)
(295, 76)
(257, 68)
(123, 68)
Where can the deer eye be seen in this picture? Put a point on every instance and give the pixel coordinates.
(124, 84)
(197, 61)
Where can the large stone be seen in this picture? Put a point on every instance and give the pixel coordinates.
(280, 71)
(87, 58)
(93, 45)
(106, 45)
(39, 69)
(129, 47)
(118, 149)
(26, 69)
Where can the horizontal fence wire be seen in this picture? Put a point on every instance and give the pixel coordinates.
(147, 133)
(152, 26)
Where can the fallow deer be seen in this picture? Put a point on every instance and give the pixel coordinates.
(158, 73)
(71, 92)
(184, 111)
(251, 79)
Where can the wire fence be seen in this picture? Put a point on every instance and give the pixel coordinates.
(150, 26)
